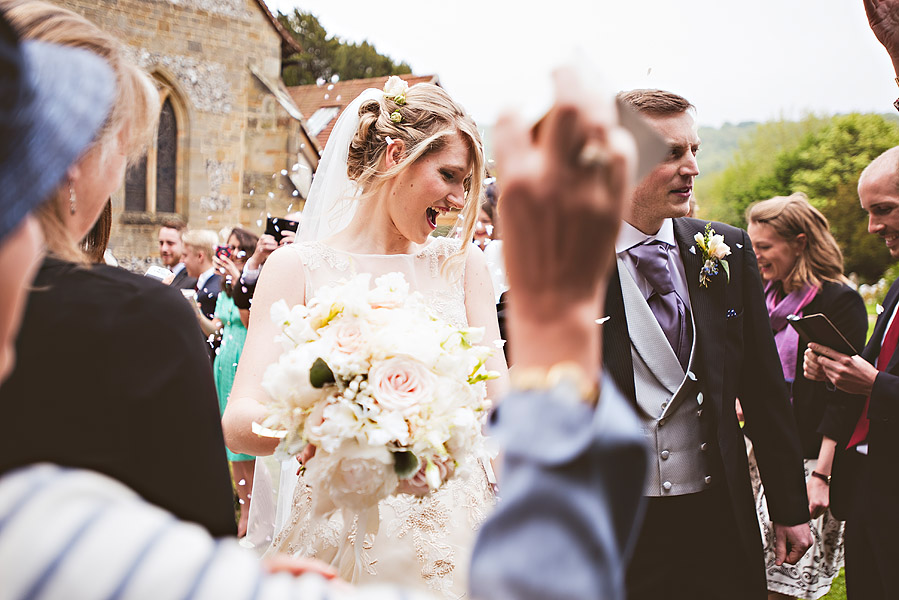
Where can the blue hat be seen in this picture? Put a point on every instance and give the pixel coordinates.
(53, 101)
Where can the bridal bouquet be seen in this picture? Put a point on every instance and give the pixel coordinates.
(385, 391)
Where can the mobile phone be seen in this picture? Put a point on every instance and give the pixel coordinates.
(223, 251)
(158, 273)
(276, 227)
(818, 328)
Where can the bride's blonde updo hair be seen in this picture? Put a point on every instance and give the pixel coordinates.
(429, 117)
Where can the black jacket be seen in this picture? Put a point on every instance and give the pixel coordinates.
(819, 411)
(112, 375)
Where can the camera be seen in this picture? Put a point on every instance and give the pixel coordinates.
(276, 227)
(223, 251)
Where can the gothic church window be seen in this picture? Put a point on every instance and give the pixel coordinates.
(151, 185)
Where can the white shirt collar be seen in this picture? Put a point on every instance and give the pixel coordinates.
(629, 236)
(204, 277)
(178, 268)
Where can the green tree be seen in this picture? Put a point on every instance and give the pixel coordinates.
(826, 166)
(725, 195)
(821, 157)
(325, 56)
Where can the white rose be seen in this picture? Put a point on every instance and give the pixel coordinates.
(401, 384)
(385, 428)
(339, 421)
(287, 381)
(390, 291)
(355, 477)
(395, 86)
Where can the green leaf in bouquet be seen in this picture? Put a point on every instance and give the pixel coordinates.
(405, 464)
(320, 374)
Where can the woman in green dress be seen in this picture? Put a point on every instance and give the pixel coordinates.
(231, 324)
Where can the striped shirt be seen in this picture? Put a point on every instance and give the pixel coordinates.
(72, 534)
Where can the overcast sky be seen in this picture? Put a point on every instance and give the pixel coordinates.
(736, 61)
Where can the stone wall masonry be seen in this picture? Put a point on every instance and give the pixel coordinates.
(235, 136)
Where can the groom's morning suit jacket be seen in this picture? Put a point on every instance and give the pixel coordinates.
(733, 356)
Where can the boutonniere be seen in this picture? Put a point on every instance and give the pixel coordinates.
(713, 250)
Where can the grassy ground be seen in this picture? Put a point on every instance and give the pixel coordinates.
(838, 589)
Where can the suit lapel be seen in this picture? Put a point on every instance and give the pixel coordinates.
(647, 336)
(707, 306)
(616, 341)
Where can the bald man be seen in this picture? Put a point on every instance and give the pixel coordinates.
(865, 473)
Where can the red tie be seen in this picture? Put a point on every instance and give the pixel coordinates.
(883, 359)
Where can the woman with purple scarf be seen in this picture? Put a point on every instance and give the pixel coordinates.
(802, 267)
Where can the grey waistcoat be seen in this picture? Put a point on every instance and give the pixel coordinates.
(670, 402)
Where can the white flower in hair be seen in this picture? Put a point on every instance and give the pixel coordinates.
(396, 89)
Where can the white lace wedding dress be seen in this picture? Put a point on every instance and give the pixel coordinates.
(420, 543)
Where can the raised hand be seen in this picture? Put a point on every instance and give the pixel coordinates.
(264, 247)
(562, 188)
(562, 191)
(227, 267)
(883, 17)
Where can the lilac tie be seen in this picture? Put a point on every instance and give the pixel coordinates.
(651, 261)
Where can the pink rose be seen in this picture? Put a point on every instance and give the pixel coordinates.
(349, 338)
(401, 384)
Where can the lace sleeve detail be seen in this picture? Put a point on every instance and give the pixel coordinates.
(314, 254)
(437, 252)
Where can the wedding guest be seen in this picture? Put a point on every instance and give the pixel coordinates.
(53, 100)
(483, 229)
(230, 325)
(171, 250)
(865, 478)
(493, 251)
(684, 338)
(243, 293)
(91, 387)
(802, 267)
(199, 251)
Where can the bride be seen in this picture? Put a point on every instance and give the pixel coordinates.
(395, 161)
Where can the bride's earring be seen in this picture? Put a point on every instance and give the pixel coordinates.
(72, 199)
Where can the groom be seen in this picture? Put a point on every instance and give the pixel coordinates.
(682, 352)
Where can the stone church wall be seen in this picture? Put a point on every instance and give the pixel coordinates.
(233, 135)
